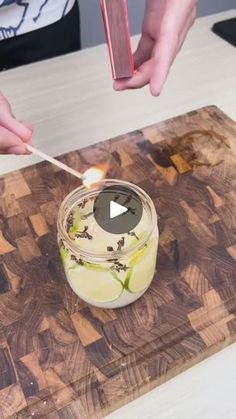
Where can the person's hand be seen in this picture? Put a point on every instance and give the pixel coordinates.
(14, 135)
(165, 26)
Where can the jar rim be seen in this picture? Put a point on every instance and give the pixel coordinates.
(85, 192)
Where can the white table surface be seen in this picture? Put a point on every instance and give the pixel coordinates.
(71, 103)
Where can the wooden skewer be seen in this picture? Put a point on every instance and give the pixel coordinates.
(54, 161)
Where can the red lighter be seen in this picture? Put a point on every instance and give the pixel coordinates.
(116, 22)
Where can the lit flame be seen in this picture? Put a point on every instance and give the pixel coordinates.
(94, 175)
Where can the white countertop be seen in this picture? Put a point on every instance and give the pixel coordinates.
(71, 103)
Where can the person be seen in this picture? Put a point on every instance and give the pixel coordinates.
(41, 29)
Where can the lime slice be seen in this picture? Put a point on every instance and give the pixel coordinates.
(94, 267)
(64, 254)
(95, 285)
(76, 224)
(141, 274)
(138, 279)
(127, 279)
(139, 254)
(135, 240)
(90, 266)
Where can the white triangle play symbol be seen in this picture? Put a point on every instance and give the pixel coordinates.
(116, 209)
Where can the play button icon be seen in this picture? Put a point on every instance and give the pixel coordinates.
(118, 209)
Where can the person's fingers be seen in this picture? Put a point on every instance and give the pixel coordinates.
(29, 125)
(9, 141)
(31, 128)
(163, 56)
(143, 51)
(139, 79)
(16, 127)
(166, 49)
(189, 22)
(153, 62)
(17, 150)
(8, 121)
(5, 105)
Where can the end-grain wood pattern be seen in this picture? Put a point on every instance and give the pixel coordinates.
(116, 23)
(61, 358)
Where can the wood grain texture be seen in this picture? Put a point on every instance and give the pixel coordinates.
(60, 357)
(115, 17)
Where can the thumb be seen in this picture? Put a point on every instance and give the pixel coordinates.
(28, 125)
(143, 51)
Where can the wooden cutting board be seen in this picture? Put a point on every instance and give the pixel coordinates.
(59, 357)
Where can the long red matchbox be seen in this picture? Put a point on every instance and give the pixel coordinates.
(116, 22)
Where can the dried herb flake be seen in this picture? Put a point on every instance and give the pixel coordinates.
(69, 222)
(85, 216)
(118, 267)
(83, 203)
(78, 261)
(133, 234)
(84, 234)
(120, 244)
(110, 249)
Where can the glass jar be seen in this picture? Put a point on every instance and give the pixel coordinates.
(99, 273)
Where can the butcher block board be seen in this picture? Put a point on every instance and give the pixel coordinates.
(61, 358)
